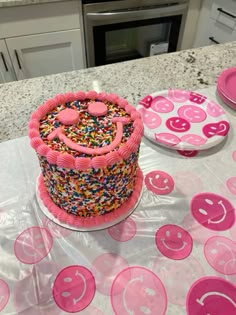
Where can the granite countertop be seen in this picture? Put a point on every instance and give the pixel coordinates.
(189, 69)
(13, 3)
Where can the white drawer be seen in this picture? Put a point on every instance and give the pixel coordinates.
(39, 18)
(224, 12)
(219, 33)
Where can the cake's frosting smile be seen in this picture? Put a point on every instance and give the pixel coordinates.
(120, 121)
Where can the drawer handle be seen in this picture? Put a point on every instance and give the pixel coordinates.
(227, 13)
(4, 62)
(17, 58)
(213, 40)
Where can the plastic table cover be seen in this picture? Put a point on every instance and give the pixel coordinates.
(175, 254)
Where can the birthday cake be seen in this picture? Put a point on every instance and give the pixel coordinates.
(88, 147)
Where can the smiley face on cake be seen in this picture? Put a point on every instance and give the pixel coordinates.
(87, 145)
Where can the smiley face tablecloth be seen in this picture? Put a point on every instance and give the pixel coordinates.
(176, 254)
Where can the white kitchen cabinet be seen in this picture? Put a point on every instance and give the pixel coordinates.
(41, 39)
(6, 70)
(44, 54)
(217, 23)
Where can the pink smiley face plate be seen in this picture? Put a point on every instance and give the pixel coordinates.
(183, 120)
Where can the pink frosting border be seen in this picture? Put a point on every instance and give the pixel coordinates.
(66, 160)
(73, 220)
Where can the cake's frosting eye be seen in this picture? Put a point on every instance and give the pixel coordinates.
(68, 116)
(97, 109)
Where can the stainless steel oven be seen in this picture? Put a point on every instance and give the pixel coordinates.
(121, 30)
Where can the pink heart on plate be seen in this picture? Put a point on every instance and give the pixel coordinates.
(146, 101)
(216, 129)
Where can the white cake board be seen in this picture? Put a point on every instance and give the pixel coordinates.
(50, 216)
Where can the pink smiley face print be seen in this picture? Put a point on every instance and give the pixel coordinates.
(177, 124)
(33, 293)
(211, 296)
(161, 104)
(150, 119)
(146, 101)
(167, 139)
(213, 211)
(174, 242)
(220, 128)
(140, 292)
(105, 268)
(56, 230)
(231, 185)
(123, 231)
(198, 232)
(214, 110)
(33, 244)
(197, 98)
(179, 96)
(160, 183)
(4, 294)
(74, 288)
(220, 252)
(177, 274)
(192, 113)
(187, 153)
(194, 139)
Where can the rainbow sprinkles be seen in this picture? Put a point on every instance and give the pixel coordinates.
(88, 147)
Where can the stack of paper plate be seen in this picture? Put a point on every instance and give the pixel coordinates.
(226, 87)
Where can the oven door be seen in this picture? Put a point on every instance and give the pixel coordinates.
(114, 33)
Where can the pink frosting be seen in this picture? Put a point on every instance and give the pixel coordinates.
(60, 99)
(123, 120)
(91, 95)
(33, 124)
(82, 163)
(43, 149)
(122, 102)
(113, 98)
(70, 97)
(138, 122)
(58, 132)
(99, 162)
(112, 158)
(42, 110)
(124, 152)
(33, 132)
(80, 95)
(35, 115)
(88, 222)
(132, 145)
(53, 157)
(68, 116)
(129, 108)
(51, 104)
(102, 96)
(66, 160)
(36, 142)
(97, 109)
(135, 115)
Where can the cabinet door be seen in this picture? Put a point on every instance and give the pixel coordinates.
(6, 69)
(44, 54)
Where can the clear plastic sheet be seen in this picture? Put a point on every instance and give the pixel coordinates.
(146, 264)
